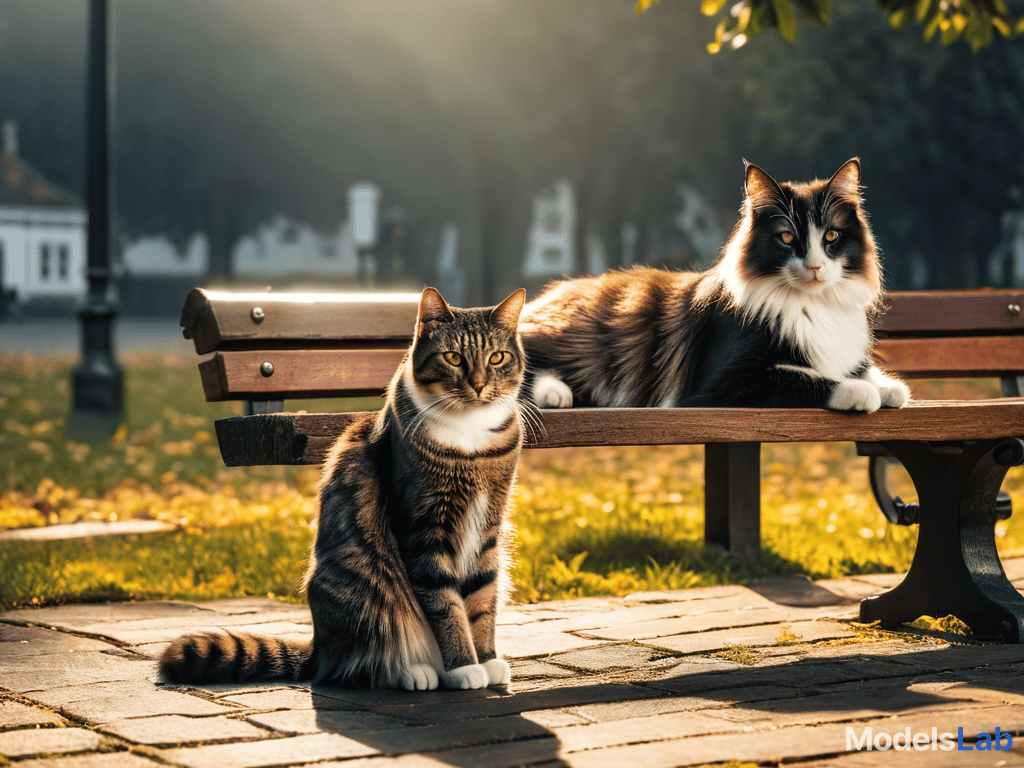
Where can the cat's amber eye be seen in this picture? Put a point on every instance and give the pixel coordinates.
(831, 236)
(497, 358)
(453, 358)
(786, 237)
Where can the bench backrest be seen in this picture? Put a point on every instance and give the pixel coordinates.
(267, 347)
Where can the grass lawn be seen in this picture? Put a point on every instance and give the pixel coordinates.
(588, 521)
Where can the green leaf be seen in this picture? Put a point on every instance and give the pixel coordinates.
(711, 7)
(786, 19)
(898, 19)
(642, 5)
(1002, 26)
(1019, 26)
(933, 26)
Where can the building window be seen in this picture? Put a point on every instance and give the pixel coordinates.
(63, 262)
(44, 262)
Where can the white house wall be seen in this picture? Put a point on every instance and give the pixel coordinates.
(24, 231)
(285, 248)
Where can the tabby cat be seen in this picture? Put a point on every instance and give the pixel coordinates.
(783, 318)
(407, 569)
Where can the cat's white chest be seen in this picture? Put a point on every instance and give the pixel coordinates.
(834, 339)
(472, 430)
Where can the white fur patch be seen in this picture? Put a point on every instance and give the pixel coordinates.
(893, 392)
(420, 677)
(465, 428)
(475, 522)
(469, 676)
(549, 391)
(498, 672)
(855, 395)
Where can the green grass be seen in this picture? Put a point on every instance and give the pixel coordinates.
(588, 521)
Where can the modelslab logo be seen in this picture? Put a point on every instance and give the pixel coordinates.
(923, 741)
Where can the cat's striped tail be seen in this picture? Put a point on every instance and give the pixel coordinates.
(215, 657)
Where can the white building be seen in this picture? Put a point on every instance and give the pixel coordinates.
(549, 243)
(285, 248)
(42, 231)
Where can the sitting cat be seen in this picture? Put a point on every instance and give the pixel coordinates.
(781, 320)
(408, 567)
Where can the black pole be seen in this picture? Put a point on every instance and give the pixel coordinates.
(97, 381)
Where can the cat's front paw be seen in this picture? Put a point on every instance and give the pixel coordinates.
(549, 391)
(420, 677)
(498, 671)
(855, 395)
(469, 676)
(894, 394)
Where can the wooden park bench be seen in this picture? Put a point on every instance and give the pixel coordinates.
(267, 348)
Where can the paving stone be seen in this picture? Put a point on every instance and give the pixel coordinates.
(377, 699)
(38, 741)
(37, 641)
(607, 657)
(532, 752)
(675, 725)
(95, 760)
(45, 672)
(433, 738)
(252, 754)
(268, 624)
(760, 635)
(175, 729)
(107, 702)
(520, 641)
(85, 614)
(298, 721)
(628, 710)
(799, 591)
(555, 718)
(16, 715)
(532, 669)
(552, 698)
(285, 698)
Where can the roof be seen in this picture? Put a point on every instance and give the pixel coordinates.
(21, 184)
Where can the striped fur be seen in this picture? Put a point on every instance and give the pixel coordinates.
(783, 319)
(408, 567)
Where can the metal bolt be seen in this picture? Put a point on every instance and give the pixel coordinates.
(1013, 309)
(267, 368)
(257, 315)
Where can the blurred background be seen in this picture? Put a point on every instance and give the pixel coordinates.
(499, 144)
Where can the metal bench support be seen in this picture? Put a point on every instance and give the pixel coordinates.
(732, 497)
(956, 569)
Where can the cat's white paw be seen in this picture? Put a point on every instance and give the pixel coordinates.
(420, 677)
(469, 676)
(855, 395)
(894, 394)
(498, 671)
(549, 391)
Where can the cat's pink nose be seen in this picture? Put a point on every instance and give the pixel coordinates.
(478, 384)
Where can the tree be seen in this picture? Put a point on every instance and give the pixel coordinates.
(973, 21)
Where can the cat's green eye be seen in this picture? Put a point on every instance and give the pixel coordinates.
(453, 358)
(786, 237)
(497, 358)
(831, 236)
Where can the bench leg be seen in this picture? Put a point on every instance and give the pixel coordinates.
(956, 569)
(732, 497)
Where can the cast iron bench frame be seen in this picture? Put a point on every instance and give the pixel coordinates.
(264, 348)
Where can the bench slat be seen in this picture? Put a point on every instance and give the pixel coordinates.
(223, 320)
(306, 438)
(958, 312)
(952, 357)
(236, 374)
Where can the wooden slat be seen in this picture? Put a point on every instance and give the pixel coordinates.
(218, 320)
(306, 438)
(952, 357)
(235, 374)
(955, 312)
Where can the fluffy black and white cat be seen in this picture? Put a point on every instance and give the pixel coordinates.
(783, 318)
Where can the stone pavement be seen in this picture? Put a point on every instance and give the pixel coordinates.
(768, 673)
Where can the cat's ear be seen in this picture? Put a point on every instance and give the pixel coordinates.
(507, 313)
(433, 309)
(846, 181)
(761, 188)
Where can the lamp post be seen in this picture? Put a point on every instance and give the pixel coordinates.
(97, 380)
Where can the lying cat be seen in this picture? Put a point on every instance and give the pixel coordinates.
(781, 320)
(407, 569)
